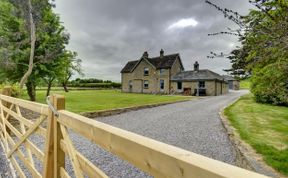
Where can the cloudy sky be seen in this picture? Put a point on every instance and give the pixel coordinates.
(108, 33)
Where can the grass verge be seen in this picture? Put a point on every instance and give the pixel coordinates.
(264, 127)
(94, 100)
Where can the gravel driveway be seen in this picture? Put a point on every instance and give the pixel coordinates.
(193, 125)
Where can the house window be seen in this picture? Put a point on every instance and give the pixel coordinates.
(161, 84)
(201, 84)
(146, 84)
(162, 71)
(179, 85)
(146, 71)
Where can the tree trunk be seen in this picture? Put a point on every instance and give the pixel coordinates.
(31, 90)
(65, 87)
(49, 85)
(33, 40)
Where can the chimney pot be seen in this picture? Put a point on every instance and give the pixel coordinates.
(196, 66)
(161, 53)
(145, 54)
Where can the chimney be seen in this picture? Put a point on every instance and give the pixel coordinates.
(145, 54)
(162, 53)
(196, 66)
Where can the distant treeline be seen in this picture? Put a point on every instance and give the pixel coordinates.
(93, 83)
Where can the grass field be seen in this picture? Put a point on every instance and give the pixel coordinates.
(245, 84)
(94, 100)
(264, 127)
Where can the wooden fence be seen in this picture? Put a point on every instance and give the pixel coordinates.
(155, 158)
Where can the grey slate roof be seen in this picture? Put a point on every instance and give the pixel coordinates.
(228, 77)
(129, 66)
(164, 62)
(197, 75)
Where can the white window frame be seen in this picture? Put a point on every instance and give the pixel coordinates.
(146, 82)
(201, 86)
(146, 71)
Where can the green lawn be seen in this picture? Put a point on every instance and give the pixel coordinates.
(94, 100)
(245, 84)
(264, 127)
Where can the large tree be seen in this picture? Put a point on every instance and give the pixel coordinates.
(264, 39)
(29, 61)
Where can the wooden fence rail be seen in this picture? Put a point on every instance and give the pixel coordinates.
(155, 158)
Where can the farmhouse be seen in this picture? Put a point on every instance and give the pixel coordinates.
(165, 74)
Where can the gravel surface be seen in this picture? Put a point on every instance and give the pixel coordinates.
(193, 125)
(4, 167)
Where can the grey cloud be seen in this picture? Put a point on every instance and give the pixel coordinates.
(108, 33)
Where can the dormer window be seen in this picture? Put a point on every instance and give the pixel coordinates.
(146, 71)
(162, 71)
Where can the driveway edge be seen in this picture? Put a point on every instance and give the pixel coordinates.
(246, 156)
(104, 113)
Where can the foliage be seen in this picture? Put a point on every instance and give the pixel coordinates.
(264, 39)
(95, 100)
(264, 127)
(51, 59)
(16, 91)
(270, 84)
(245, 83)
(96, 85)
(93, 83)
(91, 80)
(69, 65)
(13, 44)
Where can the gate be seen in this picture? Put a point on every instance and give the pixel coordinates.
(18, 131)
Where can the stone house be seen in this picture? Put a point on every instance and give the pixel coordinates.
(165, 74)
(233, 83)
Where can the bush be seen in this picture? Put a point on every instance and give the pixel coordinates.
(270, 84)
(96, 85)
(16, 91)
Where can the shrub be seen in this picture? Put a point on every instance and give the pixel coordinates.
(16, 91)
(96, 85)
(270, 84)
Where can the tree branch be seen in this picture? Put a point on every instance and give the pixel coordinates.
(33, 40)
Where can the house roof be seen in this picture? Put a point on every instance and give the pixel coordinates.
(196, 75)
(159, 62)
(129, 66)
(229, 77)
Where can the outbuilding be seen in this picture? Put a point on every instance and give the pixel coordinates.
(233, 83)
(198, 82)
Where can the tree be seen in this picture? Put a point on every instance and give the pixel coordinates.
(264, 39)
(70, 65)
(32, 43)
(48, 49)
(61, 70)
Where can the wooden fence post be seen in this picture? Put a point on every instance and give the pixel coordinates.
(54, 156)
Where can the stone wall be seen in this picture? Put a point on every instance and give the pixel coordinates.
(236, 85)
(175, 68)
(213, 88)
(137, 77)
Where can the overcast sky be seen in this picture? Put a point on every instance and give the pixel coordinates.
(108, 33)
